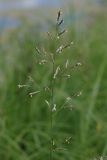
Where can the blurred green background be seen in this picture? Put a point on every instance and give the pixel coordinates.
(24, 121)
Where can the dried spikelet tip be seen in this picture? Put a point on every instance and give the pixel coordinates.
(58, 15)
(59, 50)
(67, 140)
(62, 47)
(61, 33)
(72, 43)
(62, 21)
(68, 45)
(33, 93)
(68, 99)
(38, 51)
(67, 76)
(78, 64)
(47, 103)
(21, 86)
(30, 79)
(54, 108)
(66, 64)
(46, 88)
(56, 72)
(79, 94)
(43, 62)
(53, 143)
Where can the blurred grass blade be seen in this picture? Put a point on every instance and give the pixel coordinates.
(95, 92)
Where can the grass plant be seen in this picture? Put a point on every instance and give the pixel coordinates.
(24, 135)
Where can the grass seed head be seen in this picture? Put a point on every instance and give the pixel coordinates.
(58, 15)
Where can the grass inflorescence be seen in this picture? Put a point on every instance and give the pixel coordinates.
(79, 122)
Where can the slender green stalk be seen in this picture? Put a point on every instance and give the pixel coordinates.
(52, 105)
(52, 90)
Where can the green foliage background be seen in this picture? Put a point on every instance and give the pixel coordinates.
(24, 121)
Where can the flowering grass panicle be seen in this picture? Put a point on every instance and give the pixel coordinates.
(57, 72)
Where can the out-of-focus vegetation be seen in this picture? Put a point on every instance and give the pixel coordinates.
(24, 121)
